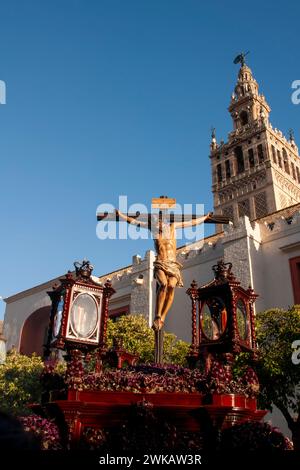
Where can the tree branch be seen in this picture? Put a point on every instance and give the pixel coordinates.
(290, 422)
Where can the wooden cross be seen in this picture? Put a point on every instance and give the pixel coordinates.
(164, 204)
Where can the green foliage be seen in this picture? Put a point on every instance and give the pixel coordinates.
(279, 377)
(19, 382)
(138, 338)
(242, 361)
(134, 334)
(175, 350)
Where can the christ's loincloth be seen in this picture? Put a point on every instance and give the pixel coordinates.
(170, 268)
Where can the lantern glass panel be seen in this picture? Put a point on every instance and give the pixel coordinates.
(241, 319)
(58, 317)
(214, 318)
(84, 316)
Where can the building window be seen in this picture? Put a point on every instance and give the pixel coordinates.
(285, 161)
(251, 158)
(244, 118)
(273, 153)
(227, 168)
(293, 170)
(238, 151)
(260, 153)
(116, 313)
(298, 174)
(244, 208)
(219, 173)
(279, 158)
(295, 275)
(260, 204)
(228, 212)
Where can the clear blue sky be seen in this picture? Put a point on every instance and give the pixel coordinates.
(114, 97)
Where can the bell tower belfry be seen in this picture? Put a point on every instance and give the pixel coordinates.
(257, 171)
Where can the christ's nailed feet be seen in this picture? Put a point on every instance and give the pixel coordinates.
(157, 324)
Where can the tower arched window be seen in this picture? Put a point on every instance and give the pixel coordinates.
(238, 151)
(219, 173)
(260, 153)
(244, 118)
(227, 169)
(251, 158)
(274, 154)
(293, 170)
(279, 158)
(285, 161)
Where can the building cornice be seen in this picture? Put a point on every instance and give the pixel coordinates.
(32, 290)
(290, 247)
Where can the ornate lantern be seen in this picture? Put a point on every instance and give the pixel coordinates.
(222, 314)
(79, 311)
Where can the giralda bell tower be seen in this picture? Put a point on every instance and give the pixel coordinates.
(257, 171)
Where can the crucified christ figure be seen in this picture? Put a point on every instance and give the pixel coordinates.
(167, 270)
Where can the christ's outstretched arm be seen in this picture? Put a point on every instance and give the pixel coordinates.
(193, 222)
(131, 220)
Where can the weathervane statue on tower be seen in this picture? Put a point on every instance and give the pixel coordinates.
(240, 58)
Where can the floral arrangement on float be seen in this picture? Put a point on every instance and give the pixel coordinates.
(152, 379)
(44, 430)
